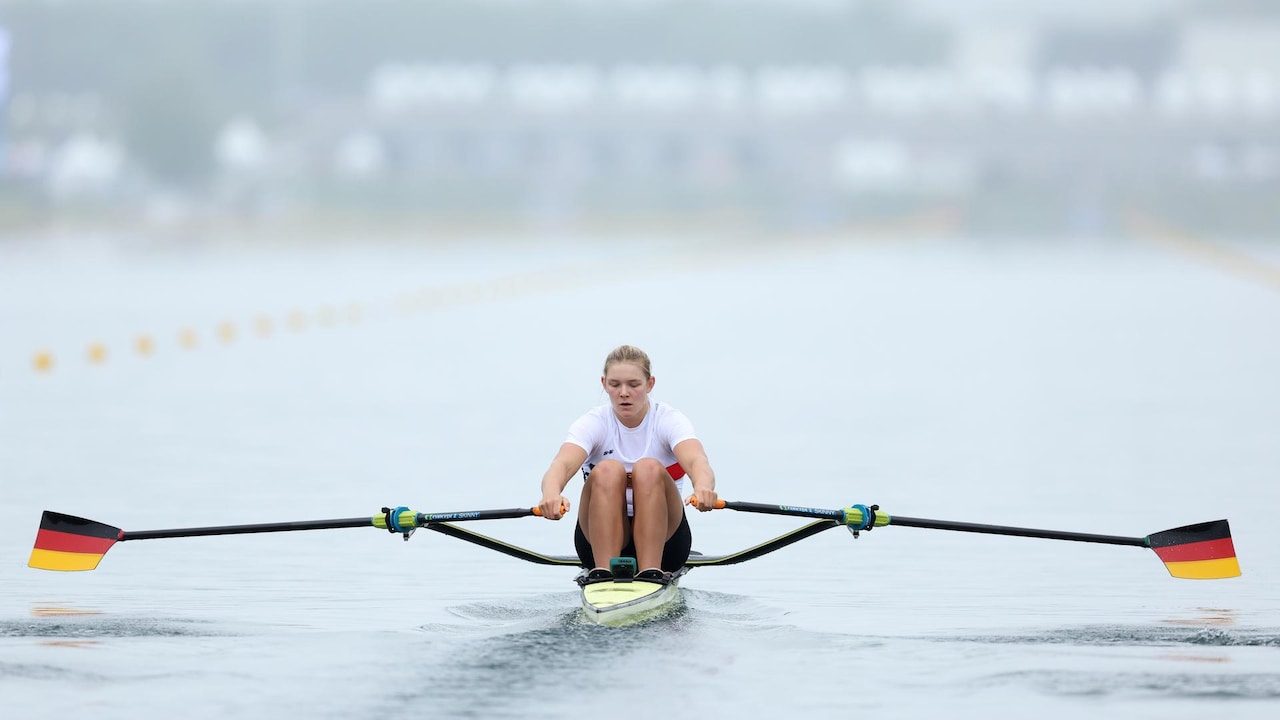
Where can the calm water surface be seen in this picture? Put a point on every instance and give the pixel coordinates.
(1107, 387)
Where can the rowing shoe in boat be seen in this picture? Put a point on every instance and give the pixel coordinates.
(1201, 551)
(626, 600)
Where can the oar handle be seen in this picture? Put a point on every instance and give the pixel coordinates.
(564, 508)
(720, 504)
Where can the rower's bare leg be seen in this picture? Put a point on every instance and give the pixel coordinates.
(603, 512)
(659, 511)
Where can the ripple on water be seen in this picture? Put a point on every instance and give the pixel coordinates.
(1241, 686)
(1133, 635)
(82, 627)
(23, 671)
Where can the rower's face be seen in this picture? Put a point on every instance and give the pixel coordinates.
(628, 390)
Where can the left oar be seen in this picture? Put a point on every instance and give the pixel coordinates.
(1203, 551)
(67, 542)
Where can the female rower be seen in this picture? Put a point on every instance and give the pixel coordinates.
(634, 455)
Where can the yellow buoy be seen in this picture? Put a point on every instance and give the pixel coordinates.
(43, 361)
(188, 339)
(144, 345)
(227, 332)
(97, 353)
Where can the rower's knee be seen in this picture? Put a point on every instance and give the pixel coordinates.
(648, 470)
(648, 474)
(609, 476)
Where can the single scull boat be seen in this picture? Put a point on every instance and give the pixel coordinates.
(626, 601)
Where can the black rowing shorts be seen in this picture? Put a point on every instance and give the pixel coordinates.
(674, 554)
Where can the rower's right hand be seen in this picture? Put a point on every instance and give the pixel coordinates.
(553, 507)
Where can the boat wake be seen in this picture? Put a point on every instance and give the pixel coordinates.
(731, 608)
(562, 611)
(515, 610)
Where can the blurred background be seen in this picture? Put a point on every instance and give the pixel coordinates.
(331, 117)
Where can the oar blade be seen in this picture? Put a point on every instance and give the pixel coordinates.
(70, 543)
(1203, 551)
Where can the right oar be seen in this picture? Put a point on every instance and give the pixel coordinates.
(1203, 551)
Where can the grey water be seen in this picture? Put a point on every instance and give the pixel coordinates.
(1099, 385)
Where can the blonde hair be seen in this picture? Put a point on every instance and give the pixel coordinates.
(628, 354)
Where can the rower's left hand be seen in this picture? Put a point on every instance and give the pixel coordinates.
(704, 500)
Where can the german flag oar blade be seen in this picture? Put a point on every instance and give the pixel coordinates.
(1203, 551)
(67, 542)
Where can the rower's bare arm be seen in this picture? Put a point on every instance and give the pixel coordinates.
(693, 458)
(566, 462)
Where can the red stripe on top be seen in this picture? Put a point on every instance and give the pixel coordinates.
(68, 542)
(675, 471)
(1203, 550)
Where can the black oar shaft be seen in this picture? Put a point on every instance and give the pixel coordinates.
(245, 529)
(839, 516)
(424, 518)
(1018, 531)
(792, 510)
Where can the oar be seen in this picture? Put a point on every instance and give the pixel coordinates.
(1203, 551)
(67, 542)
